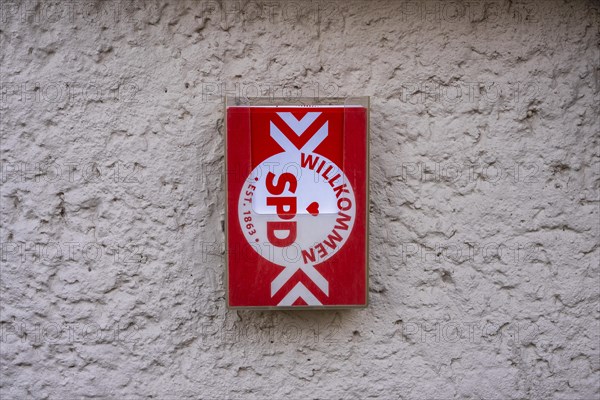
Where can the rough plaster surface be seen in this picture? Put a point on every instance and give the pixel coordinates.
(484, 199)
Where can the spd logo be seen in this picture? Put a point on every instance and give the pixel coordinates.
(296, 210)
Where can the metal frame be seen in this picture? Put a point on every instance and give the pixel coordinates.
(363, 101)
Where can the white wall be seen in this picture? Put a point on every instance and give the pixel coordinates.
(484, 207)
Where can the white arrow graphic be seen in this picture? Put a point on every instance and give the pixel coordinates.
(299, 126)
(309, 270)
(300, 291)
(308, 147)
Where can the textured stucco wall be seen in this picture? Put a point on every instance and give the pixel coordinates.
(484, 199)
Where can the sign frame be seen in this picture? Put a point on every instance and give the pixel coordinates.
(236, 101)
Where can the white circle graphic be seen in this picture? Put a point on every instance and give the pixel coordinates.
(297, 209)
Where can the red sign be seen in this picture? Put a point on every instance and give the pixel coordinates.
(297, 192)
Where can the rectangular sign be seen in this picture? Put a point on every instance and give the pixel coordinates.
(297, 205)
